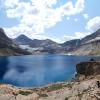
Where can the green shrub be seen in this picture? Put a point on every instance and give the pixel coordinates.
(43, 95)
(66, 98)
(24, 93)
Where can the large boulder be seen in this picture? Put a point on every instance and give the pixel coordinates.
(32, 96)
(88, 68)
(7, 97)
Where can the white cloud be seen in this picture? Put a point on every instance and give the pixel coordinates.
(77, 35)
(68, 18)
(36, 16)
(75, 19)
(10, 3)
(93, 24)
(85, 16)
(67, 38)
(80, 4)
(80, 35)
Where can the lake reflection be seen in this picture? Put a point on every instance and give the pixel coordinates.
(38, 70)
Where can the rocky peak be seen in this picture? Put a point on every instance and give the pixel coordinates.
(4, 40)
(23, 40)
(1, 30)
(2, 34)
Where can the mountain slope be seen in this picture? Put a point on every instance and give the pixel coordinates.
(47, 45)
(40, 46)
(7, 47)
(91, 37)
(4, 40)
(70, 45)
(23, 40)
(90, 45)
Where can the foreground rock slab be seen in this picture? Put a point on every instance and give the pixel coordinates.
(80, 90)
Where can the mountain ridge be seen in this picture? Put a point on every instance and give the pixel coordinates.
(48, 45)
(84, 46)
(88, 45)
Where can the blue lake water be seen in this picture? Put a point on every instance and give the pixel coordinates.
(38, 70)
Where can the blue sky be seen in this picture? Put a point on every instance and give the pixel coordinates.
(59, 20)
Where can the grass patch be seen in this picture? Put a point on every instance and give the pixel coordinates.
(80, 96)
(66, 98)
(42, 95)
(55, 87)
(69, 85)
(58, 86)
(25, 93)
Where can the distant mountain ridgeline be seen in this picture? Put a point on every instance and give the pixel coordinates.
(38, 46)
(24, 45)
(88, 45)
(45, 46)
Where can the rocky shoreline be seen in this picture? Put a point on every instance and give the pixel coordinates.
(85, 87)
